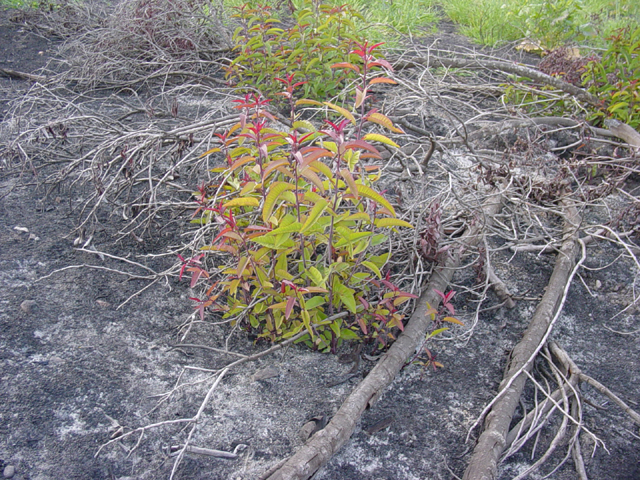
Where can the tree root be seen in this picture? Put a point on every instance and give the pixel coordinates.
(491, 444)
(321, 447)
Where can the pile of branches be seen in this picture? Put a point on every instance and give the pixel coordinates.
(137, 102)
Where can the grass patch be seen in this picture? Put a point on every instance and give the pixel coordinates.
(551, 23)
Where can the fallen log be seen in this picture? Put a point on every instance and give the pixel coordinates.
(484, 460)
(325, 443)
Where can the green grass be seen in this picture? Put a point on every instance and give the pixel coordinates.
(550, 22)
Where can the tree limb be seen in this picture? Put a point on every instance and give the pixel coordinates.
(484, 460)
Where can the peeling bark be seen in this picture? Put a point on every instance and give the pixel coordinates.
(324, 444)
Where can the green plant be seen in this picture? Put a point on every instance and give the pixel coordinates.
(551, 23)
(482, 20)
(301, 234)
(35, 4)
(423, 356)
(267, 49)
(616, 79)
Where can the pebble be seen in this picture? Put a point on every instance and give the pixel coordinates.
(27, 306)
(9, 471)
(265, 373)
(598, 284)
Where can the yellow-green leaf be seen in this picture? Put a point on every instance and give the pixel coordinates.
(376, 197)
(323, 168)
(242, 202)
(209, 152)
(376, 137)
(373, 268)
(391, 222)
(242, 263)
(453, 320)
(383, 120)
(306, 101)
(274, 192)
(306, 124)
(342, 111)
(248, 188)
(316, 277)
(315, 212)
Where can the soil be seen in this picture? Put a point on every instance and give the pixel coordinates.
(76, 368)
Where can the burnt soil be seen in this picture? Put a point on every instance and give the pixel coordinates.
(75, 367)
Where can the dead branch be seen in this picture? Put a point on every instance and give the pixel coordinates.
(512, 68)
(321, 447)
(491, 444)
(22, 75)
(623, 131)
(565, 359)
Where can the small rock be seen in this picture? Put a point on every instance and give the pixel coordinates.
(33, 237)
(103, 303)
(27, 306)
(9, 471)
(598, 284)
(264, 373)
(21, 229)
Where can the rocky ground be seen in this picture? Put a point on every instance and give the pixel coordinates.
(77, 368)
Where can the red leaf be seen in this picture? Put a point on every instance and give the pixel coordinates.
(363, 325)
(291, 301)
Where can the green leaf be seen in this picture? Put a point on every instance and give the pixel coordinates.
(376, 197)
(316, 211)
(316, 277)
(347, 334)
(371, 266)
(314, 302)
(345, 294)
(275, 191)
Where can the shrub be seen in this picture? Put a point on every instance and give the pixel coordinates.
(616, 79)
(302, 236)
(267, 49)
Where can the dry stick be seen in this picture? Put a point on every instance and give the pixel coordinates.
(22, 75)
(321, 447)
(484, 460)
(564, 358)
(576, 450)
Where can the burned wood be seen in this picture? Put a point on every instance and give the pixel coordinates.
(492, 441)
